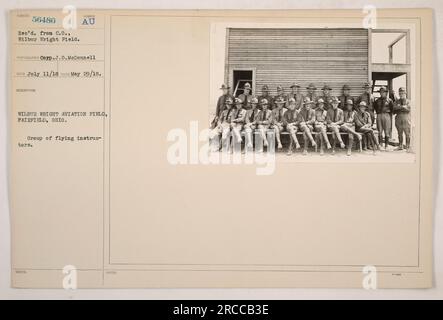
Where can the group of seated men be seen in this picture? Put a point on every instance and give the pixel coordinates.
(364, 118)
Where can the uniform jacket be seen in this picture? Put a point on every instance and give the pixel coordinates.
(335, 116)
(327, 100)
(225, 116)
(298, 100)
(402, 107)
(306, 116)
(290, 116)
(362, 119)
(312, 96)
(320, 115)
(251, 115)
(277, 115)
(267, 97)
(384, 105)
(349, 116)
(221, 104)
(238, 116)
(264, 116)
(246, 100)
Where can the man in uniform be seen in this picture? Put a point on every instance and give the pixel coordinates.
(263, 120)
(363, 124)
(265, 95)
(346, 95)
(290, 123)
(311, 93)
(277, 119)
(334, 120)
(296, 95)
(280, 94)
(384, 107)
(223, 127)
(237, 121)
(326, 97)
(402, 109)
(246, 96)
(320, 125)
(348, 125)
(250, 123)
(369, 99)
(306, 120)
(220, 104)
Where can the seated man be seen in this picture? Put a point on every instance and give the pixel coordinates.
(277, 119)
(363, 123)
(291, 125)
(334, 120)
(250, 124)
(263, 120)
(223, 128)
(320, 125)
(237, 121)
(305, 121)
(349, 125)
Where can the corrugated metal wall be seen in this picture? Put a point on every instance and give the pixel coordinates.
(282, 56)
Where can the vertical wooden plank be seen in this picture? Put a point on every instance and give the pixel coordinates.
(227, 44)
(369, 55)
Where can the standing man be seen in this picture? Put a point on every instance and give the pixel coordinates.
(237, 121)
(265, 95)
(246, 96)
(291, 124)
(334, 120)
(250, 122)
(368, 98)
(363, 124)
(327, 98)
(221, 104)
(384, 107)
(223, 127)
(306, 120)
(348, 125)
(277, 119)
(402, 109)
(346, 95)
(311, 93)
(296, 95)
(320, 125)
(263, 120)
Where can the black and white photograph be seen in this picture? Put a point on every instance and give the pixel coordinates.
(317, 91)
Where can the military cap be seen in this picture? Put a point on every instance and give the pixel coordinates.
(238, 101)
(291, 100)
(247, 85)
(383, 89)
(280, 100)
(265, 87)
(264, 101)
(346, 87)
(279, 88)
(326, 87)
(362, 104)
(402, 90)
(312, 86)
(228, 100)
(308, 101)
(224, 86)
(295, 85)
(319, 101)
(349, 102)
(254, 100)
(335, 100)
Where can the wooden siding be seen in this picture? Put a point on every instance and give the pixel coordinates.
(284, 56)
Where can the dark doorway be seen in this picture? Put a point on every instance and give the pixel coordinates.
(240, 77)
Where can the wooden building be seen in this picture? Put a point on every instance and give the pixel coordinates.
(336, 56)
